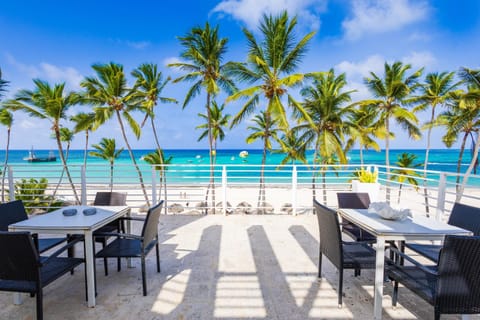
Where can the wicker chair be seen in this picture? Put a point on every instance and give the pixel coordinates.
(109, 199)
(343, 255)
(135, 246)
(462, 216)
(354, 200)
(452, 286)
(23, 270)
(14, 211)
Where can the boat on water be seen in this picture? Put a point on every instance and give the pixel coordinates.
(32, 157)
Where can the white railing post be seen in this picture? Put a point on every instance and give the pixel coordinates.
(294, 190)
(224, 189)
(442, 188)
(154, 186)
(83, 181)
(11, 184)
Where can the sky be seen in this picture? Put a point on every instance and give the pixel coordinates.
(58, 41)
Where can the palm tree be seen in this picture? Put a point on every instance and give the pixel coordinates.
(84, 122)
(51, 103)
(218, 121)
(6, 119)
(266, 130)
(406, 171)
(203, 53)
(149, 85)
(112, 98)
(363, 129)
(66, 135)
(390, 94)
(157, 159)
(293, 147)
(325, 105)
(106, 149)
(3, 84)
(435, 92)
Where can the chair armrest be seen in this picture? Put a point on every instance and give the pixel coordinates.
(413, 261)
(132, 218)
(62, 249)
(118, 235)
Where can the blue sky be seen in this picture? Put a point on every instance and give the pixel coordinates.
(60, 40)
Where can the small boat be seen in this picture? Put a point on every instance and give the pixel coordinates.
(243, 154)
(32, 157)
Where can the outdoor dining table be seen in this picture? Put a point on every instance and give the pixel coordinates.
(56, 222)
(416, 228)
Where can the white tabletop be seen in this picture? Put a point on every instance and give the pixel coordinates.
(418, 225)
(55, 220)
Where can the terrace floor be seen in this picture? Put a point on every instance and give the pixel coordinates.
(224, 267)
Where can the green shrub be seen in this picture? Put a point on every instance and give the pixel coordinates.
(32, 193)
(366, 175)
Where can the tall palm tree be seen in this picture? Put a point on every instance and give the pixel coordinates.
(435, 92)
(326, 106)
(406, 171)
(6, 119)
(294, 148)
(157, 159)
(149, 85)
(391, 93)
(3, 84)
(203, 53)
(50, 103)
(112, 97)
(266, 129)
(84, 122)
(106, 149)
(218, 121)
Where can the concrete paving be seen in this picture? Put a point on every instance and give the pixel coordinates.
(224, 267)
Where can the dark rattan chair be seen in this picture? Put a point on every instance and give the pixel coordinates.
(462, 216)
(23, 270)
(109, 199)
(354, 200)
(452, 286)
(13, 212)
(136, 246)
(343, 255)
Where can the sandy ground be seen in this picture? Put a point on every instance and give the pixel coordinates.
(217, 267)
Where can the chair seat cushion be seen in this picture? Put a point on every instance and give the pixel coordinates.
(420, 282)
(429, 251)
(357, 233)
(121, 248)
(358, 256)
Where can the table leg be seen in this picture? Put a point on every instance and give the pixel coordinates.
(17, 298)
(378, 290)
(129, 227)
(89, 264)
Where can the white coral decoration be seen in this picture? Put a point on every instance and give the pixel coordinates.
(384, 210)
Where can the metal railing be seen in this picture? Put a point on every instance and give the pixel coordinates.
(289, 189)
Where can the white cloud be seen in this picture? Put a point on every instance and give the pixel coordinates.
(420, 59)
(251, 11)
(378, 16)
(49, 72)
(137, 44)
(358, 70)
(28, 124)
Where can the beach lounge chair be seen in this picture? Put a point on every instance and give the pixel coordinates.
(14, 211)
(343, 255)
(136, 246)
(452, 286)
(23, 270)
(462, 216)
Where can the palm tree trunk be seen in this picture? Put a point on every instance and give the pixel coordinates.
(139, 173)
(361, 155)
(425, 165)
(399, 193)
(111, 176)
(459, 163)
(212, 165)
(64, 162)
(469, 170)
(86, 150)
(163, 175)
(261, 190)
(314, 192)
(5, 164)
(387, 159)
(324, 186)
(62, 174)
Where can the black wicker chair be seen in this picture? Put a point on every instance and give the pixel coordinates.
(343, 255)
(355, 200)
(14, 211)
(136, 246)
(109, 199)
(462, 216)
(452, 286)
(23, 270)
